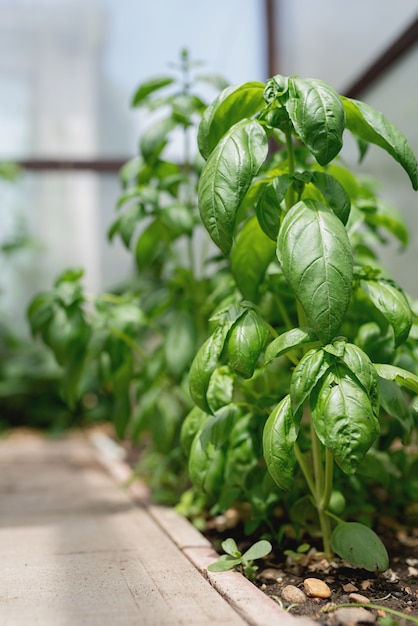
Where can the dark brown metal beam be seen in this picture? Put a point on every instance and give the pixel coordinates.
(271, 10)
(94, 165)
(396, 50)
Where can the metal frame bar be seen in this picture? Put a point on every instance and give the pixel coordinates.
(394, 52)
(96, 165)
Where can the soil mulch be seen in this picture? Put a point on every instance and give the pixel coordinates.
(396, 589)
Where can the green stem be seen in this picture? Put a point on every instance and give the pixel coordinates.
(305, 470)
(329, 474)
(370, 605)
(290, 194)
(323, 483)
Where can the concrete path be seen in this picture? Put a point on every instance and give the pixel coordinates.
(80, 548)
(75, 550)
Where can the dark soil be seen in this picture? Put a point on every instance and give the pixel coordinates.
(396, 589)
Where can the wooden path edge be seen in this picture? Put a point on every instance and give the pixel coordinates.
(246, 599)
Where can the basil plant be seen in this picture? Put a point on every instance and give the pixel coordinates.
(312, 342)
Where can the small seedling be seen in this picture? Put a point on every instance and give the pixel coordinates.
(234, 559)
(297, 555)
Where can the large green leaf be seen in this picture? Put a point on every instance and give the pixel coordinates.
(232, 105)
(390, 219)
(226, 178)
(245, 343)
(279, 436)
(359, 365)
(155, 138)
(393, 305)
(316, 258)
(127, 223)
(220, 389)
(317, 115)
(394, 401)
(149, 87)
(206, 466)
(268, 209)
(372, 126)
(251, 253)
(334, 193)
(343, 417)
(399, 375)
(217, 427)
(191, 425)
(306, 375)
(149, 244)
(180, 343)
(288, 341)
(359, 545)
(204, 365)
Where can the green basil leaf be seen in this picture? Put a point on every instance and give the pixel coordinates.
(150, 86)
(214, 80)
(343, 417)
(229, 314)
(334, 193)
(203, 365)
(232, 105)
(217, 428)
(317, 114)
(268, 208)
(206, 466)
(122, 409)
(363, 369)
(288, 341)
(372, 126)
(251, 254)
(389, 218)
(155, 138)
(402, 377)
(220, 389)
(246, 340)
(310, 369)
(316, 258)
(226, 178)
(191, 425)
(393, 305)
(180, 343)
(127, 223)
(178, 218)
(394, 402)
(149, 244)
(359, 545)
(279, 436)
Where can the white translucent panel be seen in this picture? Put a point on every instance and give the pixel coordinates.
(65, 217)
(336, 40)
(396, 96)
(69, 68)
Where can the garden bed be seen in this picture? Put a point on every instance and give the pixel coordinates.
(395, 590)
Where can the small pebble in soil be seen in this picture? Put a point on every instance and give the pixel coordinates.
(349, 588)
(316, 588)
(358, 598)
(290, 593)
(352, 616)
(270, 575)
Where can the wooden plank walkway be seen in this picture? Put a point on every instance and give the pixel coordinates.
(77, 549)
